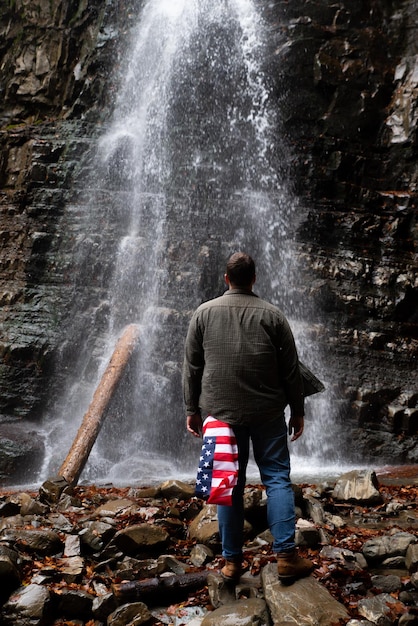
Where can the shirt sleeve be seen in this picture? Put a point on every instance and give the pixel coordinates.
(193, 366)
(288, 363)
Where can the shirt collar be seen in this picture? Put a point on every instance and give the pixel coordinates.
(238, 290)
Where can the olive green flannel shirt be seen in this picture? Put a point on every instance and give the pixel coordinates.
(241, 363)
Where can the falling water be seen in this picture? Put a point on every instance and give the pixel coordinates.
(190, 169)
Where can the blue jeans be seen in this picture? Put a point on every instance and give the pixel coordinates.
(272, 457)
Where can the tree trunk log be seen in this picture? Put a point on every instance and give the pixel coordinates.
(94, 417)
(164, 589)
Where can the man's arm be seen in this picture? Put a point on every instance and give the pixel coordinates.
(192, 377)
(288, 363)
(194, 424)
(296, 425)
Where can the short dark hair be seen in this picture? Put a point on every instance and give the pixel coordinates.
(240, 269)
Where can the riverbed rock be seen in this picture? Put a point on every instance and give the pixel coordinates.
(307, 534)
(136, 613)
(176, 489)
(305, 603)
(243, 612)
(95, 534)
(382, 609)
(29, 606)
(200, 554)
(386, 584)
(204, 528)
(357, 485)
(10, 574)
(75, 604)
(43, 542)
(140, 538)
(381, 548)
(411, 559)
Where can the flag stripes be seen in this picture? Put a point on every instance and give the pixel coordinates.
(217, 473)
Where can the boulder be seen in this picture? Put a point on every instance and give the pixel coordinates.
(411, 560)
(357, 486)
(75, 604)
(244, 612)
(382, 609)
(43, 542)
(136, 613)
(140, 538)
(28, 606)
(176, 489)
(204, 528)
(200, 554)
(387, 546)
(305, 603)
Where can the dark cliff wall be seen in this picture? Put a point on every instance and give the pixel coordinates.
(347, 84)
(352, 111)
(59, 63)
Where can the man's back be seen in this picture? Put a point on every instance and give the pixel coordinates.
(248, 356)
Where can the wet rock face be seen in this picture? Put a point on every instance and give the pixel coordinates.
(349, 75)
(351, 72)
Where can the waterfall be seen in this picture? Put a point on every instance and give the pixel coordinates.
(190, 169)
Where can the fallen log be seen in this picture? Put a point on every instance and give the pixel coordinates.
(162, 590)
(93, 419)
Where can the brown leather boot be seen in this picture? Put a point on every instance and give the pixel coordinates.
(290, 567)
(231, 571)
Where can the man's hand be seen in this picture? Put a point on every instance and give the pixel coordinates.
(296, 427)
(194, 424)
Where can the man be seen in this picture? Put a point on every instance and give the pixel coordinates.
(241, 367)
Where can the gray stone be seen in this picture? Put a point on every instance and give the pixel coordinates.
(357, 486)
(204, 527)
(75, 604)
(72, 545)
(51, 489)
(387, 546)
(28, 603)
(306, 534)
(134, 614)
(335, 520)
(348, 558)
(379, 609)
(254, 498)
(176, 489)
(386, 584)
(95, 534)
(200, 554)
(114, 507)
(71, 568)
(314, 509)
(140, 537)
(10, 577)
(103, 606)
(411, 559)
(43, 542)
(30, 506)
(251, 612)
(305, 603)
(168, 563)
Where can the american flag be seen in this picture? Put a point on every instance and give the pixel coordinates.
(218, 465)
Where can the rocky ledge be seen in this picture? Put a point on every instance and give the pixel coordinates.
(103, 555)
